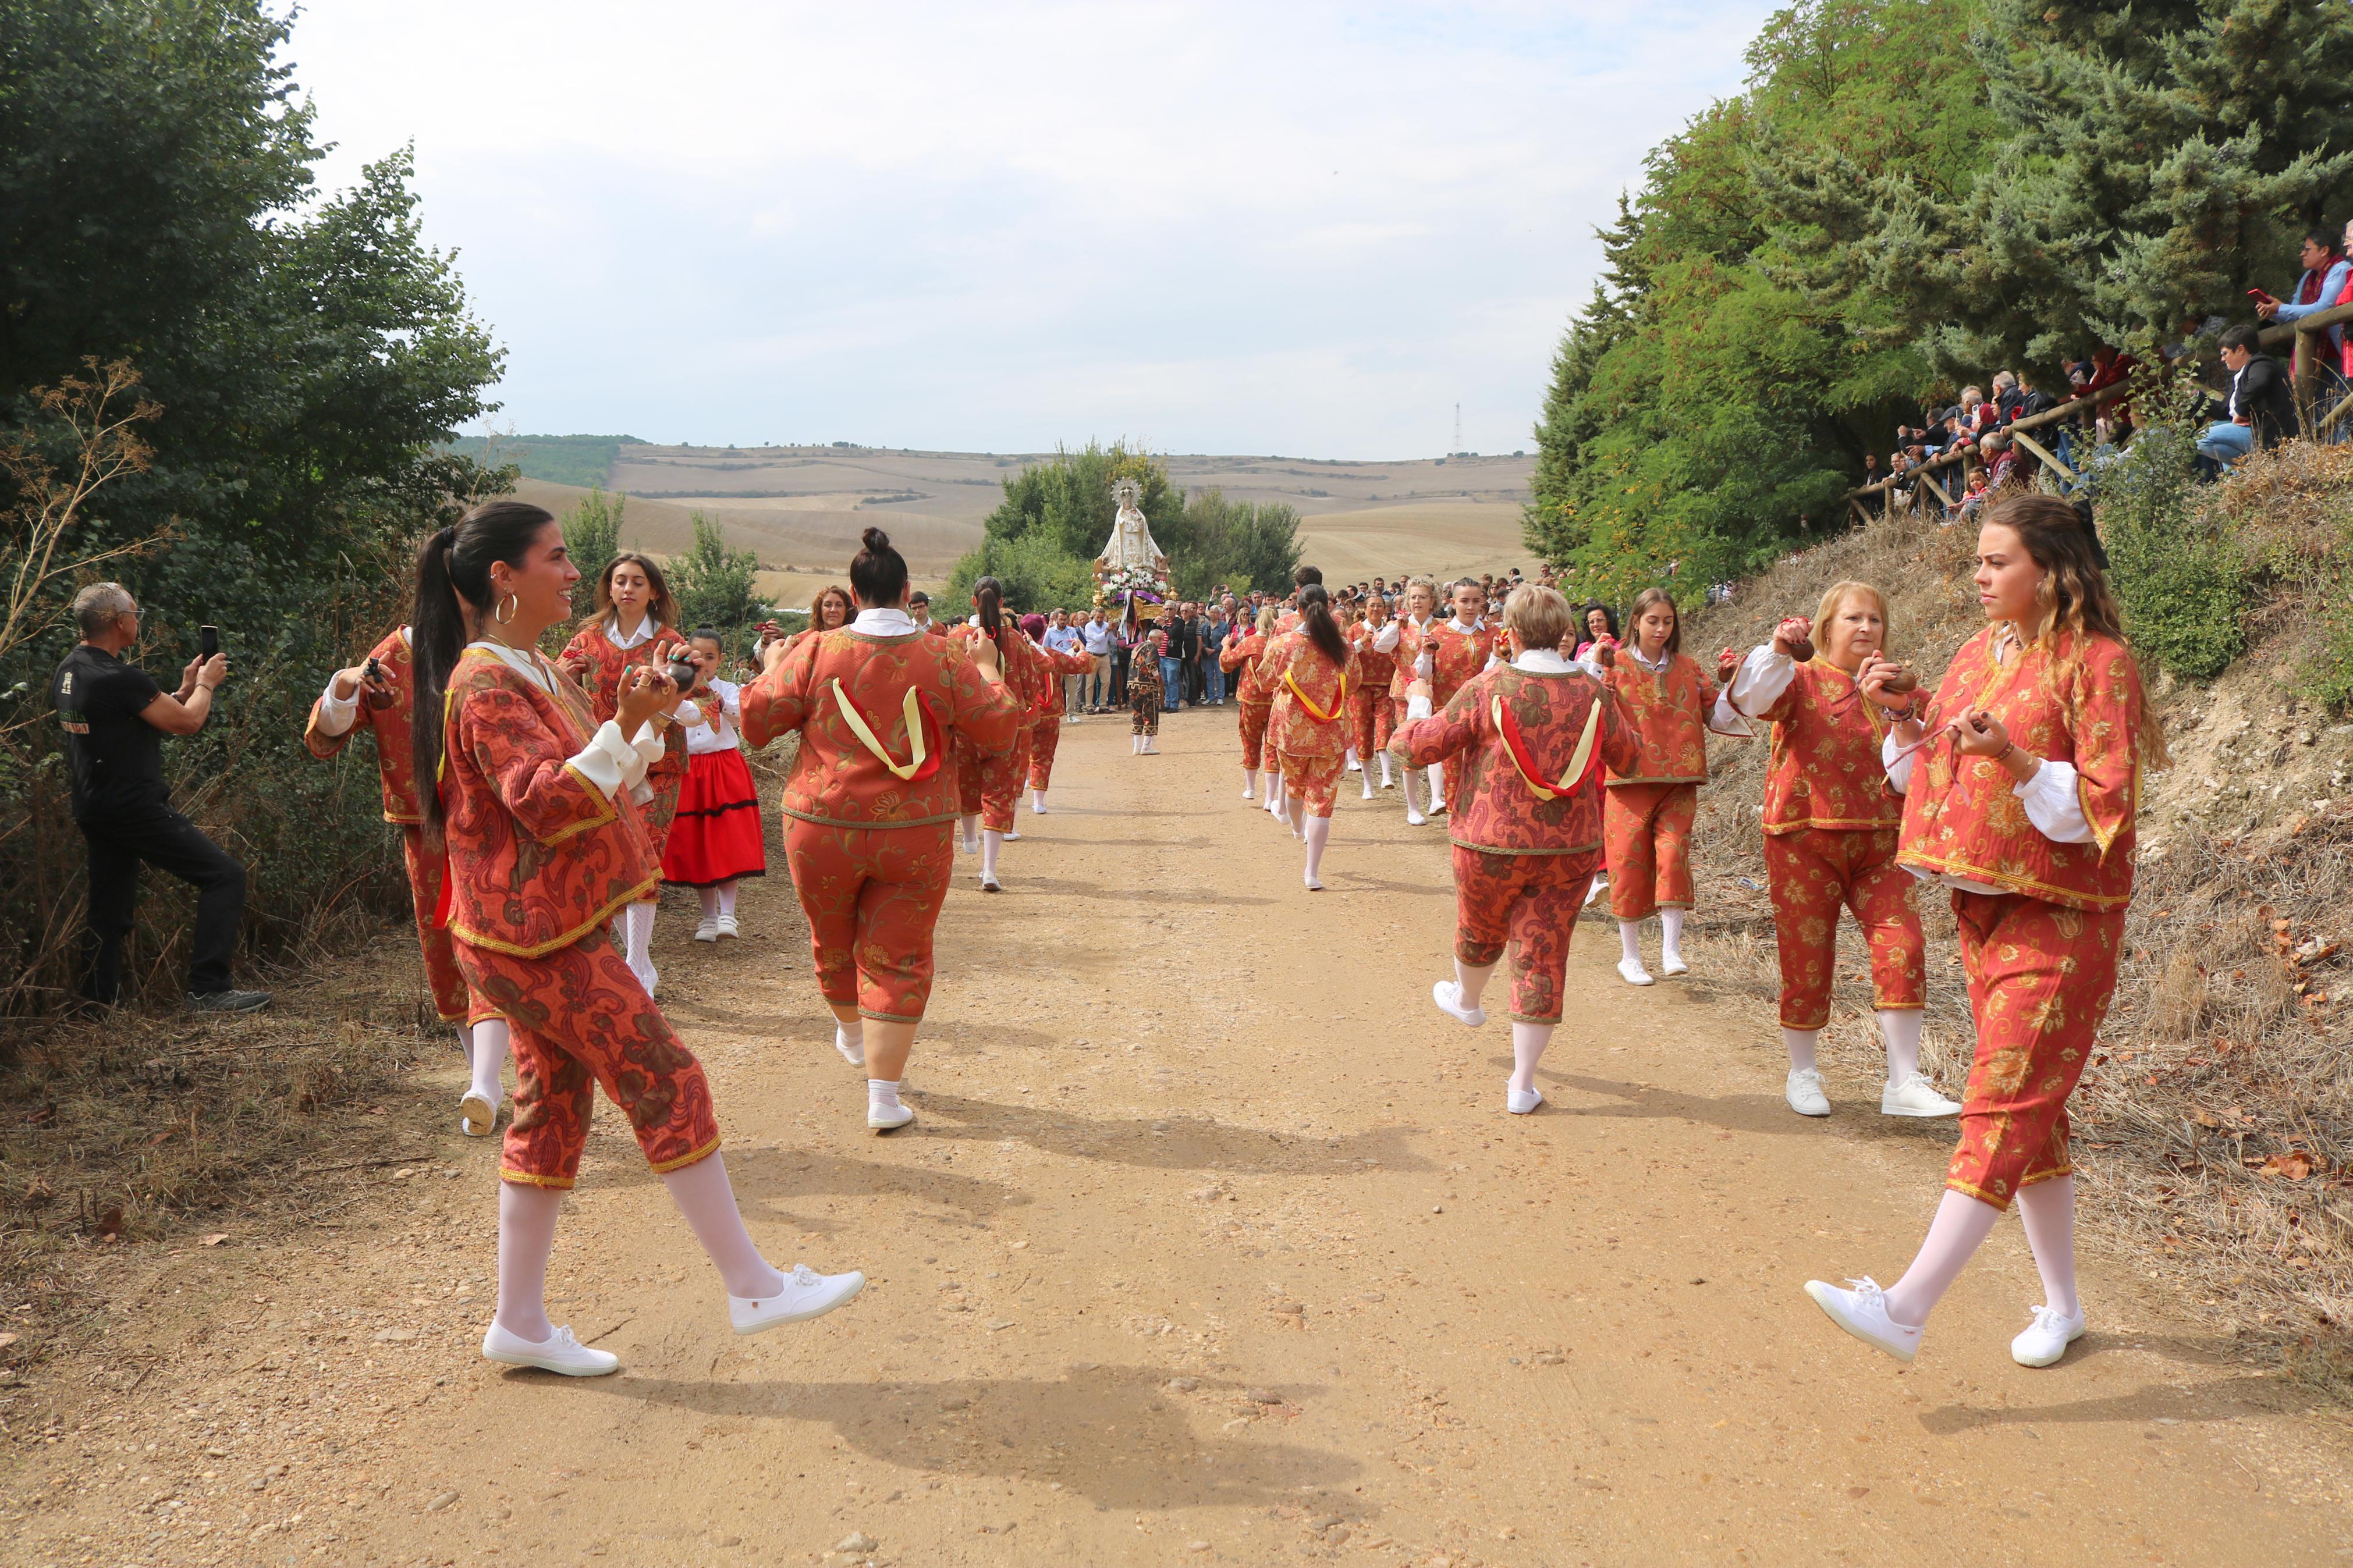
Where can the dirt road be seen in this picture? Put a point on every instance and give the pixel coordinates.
(1213, 1245)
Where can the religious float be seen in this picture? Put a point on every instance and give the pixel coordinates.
(1131, 575)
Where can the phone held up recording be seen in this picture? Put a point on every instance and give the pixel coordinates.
(207, 641)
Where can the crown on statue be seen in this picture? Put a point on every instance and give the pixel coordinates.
(1127, 492)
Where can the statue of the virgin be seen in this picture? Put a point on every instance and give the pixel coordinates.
(1131, 548)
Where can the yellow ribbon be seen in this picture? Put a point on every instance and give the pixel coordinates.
(867, 737)
(1577, 760)
(1309, 703)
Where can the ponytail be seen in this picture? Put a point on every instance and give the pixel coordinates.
(1315, 620)
(989, 595)
(453, 588)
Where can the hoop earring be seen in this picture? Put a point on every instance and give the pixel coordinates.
(506, 608)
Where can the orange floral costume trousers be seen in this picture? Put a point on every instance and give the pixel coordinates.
(427, 862)
(1043, 743)
(872, 897)
(1646, 835)
(2040, 978)
(1251, 717)
(1371, 721)
(1315, 780)
(1001, 778)
(1810, 874)
(1529, 901)
(578, 1019)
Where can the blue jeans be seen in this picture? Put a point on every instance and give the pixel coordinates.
(2225, 443)
(1172, 678)
(1213, 680)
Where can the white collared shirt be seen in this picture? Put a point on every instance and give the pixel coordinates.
(646, 629)
(884, 621)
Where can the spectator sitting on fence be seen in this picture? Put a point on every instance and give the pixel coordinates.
(2258, 409)
(2325, 275)
(1998, 458)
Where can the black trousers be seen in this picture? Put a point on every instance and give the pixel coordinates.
(164, 839)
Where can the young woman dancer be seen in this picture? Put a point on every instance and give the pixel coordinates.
(2021, 802)
(867, 835)
(1047, 735)
(715, 840)
(537, 803)
(1451, 652)
(1251, 702)
(1646, 819)
(1406, 648)
(1532, 735)
(1597, 628)
(1830, 839)
(379, 694)
(1145, 691)
(828, 612)
(1310, 672)
(634, 629)
(999, 774)
(1372, 717)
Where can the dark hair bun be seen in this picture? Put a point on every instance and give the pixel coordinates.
(877, 540)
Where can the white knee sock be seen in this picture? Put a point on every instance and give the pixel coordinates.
(990, 842)
(1801, 1048)
(708, 897)
(487, 1055)
(1630, 941)
(1385, 779)
(1901, 1030)
(1406, 777)
(1295, 811)
(1350, 761)
(1960, 1228)
(1037, 801)
(1528, 1042)
(639, 918)
(727, 897)
(2048, 1211)
(971, 826)
(1470, 981)
(1136, 745)
(882, 1094)
(704, 1195)
(1437, 786)
(1319, 833)
(1671, 947)
(1249, 783)
(526, 1236)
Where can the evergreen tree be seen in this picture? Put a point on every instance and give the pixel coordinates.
(715, 585)
(592, 530)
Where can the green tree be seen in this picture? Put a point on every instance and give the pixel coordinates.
(716, 586)
(592, 530)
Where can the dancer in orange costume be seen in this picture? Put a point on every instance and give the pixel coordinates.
(1449, 654)
(635, 627)
(1404, 641)
(378, 694)
(1646, 819)
(1310, 672)
(999, 774)
(2021, 801)
(1372, 717)
(1532, 735)
(1046, 737)
(1251, 702)
(1830, 824)
(539, 805)
(870, 838)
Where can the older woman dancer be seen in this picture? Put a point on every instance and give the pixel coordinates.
(1830, 822)
(1532, 735)
(868, 838)
(1310, 671)
(2021, 802)
(539, 804)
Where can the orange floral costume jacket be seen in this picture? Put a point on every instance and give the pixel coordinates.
(538, 857)
(1826, 769)
(910, 693)
(1380, 668)
(1668, 712)
(395, 761)
(604, 688)
(1530, 780)
(2070, 698)
(1309, 696)
(1458, 658)
(1409, 635)
(1244, 654)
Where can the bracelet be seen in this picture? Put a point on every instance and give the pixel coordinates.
(2003, 755)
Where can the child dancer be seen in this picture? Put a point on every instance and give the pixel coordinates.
(1647, 817)
(1001, 774)
(867, 836)
(1310, 672)
(1597, 629)
(635, 628)
(1532, 735)
(386, 681)
(1372, 717)
(1451, 654)
(1144, 692)
(1046, 737)
(538, 805)
(715, 839)
(2021, 802)
(1250, 699)
(1830, 839)
(1406, 648)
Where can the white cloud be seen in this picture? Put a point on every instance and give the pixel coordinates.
(1307, 229)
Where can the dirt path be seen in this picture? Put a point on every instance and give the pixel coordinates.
(1213, 1245)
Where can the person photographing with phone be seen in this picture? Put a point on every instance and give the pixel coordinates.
(114, 718)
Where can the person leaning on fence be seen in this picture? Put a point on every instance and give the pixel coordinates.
(2258, 409)
(115, 717)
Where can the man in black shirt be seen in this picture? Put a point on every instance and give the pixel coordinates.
(115, 718)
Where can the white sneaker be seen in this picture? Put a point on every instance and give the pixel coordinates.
(2047, 1338)
(1368, 789)
(707, 929)
(1414, 818)
(1520, 1101)
(1247, 794)
(1355, 766)
(1012, 836)
(1672, 964)
(1037, 808)
(1916, 1095)
(889, 1118)
(559, 1352)
(1631, 971)
(989, 884)
(1600, 886)
(648, 975)
(476, 1115)
(806, 1294)
(852, 1051)
(1863, 1313)
(728, 928)
(1448, 995)
(1804, 1092)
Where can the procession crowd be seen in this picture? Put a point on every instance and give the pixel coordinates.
(1563, 746)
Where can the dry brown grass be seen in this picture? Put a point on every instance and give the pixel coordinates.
(2213, 1127)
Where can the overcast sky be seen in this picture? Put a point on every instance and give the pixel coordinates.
(1290, 229)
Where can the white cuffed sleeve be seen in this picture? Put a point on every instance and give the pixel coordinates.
(1417, 707)
(689, 714)
(1726, 719)
(1761, 680)
(611, 764)
(337, 714)
(1898, 761)
(2053, 805)
(1385, 639)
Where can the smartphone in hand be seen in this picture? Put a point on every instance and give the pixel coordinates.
(208, 641)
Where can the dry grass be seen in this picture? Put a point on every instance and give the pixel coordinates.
(2213, 1125)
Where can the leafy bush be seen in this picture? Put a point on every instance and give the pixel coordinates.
(2179, 577)
(1038, 574)
(715, 584)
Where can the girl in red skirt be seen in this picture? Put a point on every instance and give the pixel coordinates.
(2021, 801)
(715, 841)
(540, 807)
